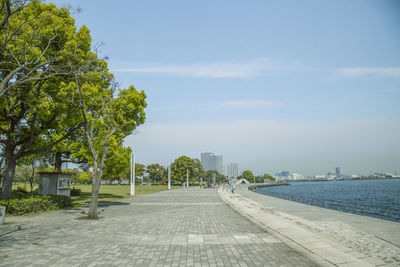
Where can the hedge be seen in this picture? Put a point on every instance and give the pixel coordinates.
(35, 204)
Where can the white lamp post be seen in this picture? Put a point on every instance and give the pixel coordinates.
(169, 176)
(187, 177)
(133, 174)
(214, 180)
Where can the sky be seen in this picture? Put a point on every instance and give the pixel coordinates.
(303, 86)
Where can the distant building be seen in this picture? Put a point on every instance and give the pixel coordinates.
(232, 170)
(295, 176)
(283, 174)
(338, 172)
(212, 162)
(219, 164)
(225, 170)
(206, 161)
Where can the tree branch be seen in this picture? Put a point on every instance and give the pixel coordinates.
(48, 147)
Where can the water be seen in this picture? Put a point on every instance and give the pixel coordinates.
(376, 198)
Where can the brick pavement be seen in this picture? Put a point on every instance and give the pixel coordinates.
(182, 227)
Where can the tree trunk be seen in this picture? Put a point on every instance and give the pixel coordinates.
(8, 177)
(96, 182)
(31, 179)
(9, 172)
(58, 162)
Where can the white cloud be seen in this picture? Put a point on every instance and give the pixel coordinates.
(392, 72)
(247, 104)
(228, 69)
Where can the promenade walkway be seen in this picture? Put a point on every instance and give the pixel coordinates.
(182, 227)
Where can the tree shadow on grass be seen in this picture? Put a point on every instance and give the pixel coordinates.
(85, 197)
(114, 203)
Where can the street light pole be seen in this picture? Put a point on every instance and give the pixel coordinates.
(214, 180)
(187, 177)
(169, 176)
(132, 173)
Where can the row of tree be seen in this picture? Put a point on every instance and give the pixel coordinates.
(151, 174)
(58, 100)
(156, 173)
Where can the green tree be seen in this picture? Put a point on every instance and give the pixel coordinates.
(117, 163)
(109, 115)
(248, 175)
(209, 177)
(267, 176)
(9, 8)
(42, 52)
(27, 168)
(139, 170)
(183, 163)
(84, 177)
(156, 172)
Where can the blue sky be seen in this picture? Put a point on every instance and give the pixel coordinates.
(303, 86)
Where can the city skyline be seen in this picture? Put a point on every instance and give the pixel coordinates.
(304, 86)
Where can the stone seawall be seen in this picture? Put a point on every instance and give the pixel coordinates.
(255, 186)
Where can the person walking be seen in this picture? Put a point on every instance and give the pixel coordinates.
(233, 188)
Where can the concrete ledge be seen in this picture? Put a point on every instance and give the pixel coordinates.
(296, 233)
(254, 186)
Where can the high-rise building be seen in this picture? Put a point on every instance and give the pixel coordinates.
(225, 172)
(212, 162)
(206, 161)
(232, 170)
(219, 164)
(338, 172)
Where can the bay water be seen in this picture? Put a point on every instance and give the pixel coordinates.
(378, 198)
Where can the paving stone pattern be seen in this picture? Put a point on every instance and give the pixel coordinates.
(362, 242)
(182, 227)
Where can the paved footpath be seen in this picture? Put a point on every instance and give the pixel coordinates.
(182, 227)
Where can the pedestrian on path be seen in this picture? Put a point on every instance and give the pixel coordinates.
(233, 188)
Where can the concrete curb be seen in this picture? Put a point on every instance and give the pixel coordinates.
(288, 228)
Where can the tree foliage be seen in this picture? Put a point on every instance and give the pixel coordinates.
(57, 94)
(118, 161)
(109, 115)
(84, 177)
(42, 49)
(267, 176)
(183, 163)
(209, 177)
(248, 175)
(139, 170)
(156, 172)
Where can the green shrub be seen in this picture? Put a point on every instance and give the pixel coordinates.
(61, 201)
(35, 204)
(75, 191)
(19, 193)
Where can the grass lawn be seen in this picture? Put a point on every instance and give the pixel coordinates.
(115, 192)
(108, 192)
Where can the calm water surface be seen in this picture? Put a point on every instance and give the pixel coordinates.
(377, 198)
